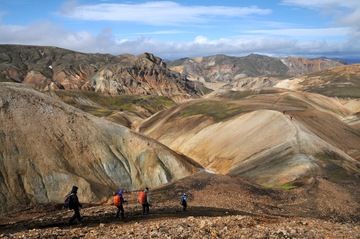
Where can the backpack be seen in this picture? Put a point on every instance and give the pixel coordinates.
(69, 201)
(117, 200)
(142, 197)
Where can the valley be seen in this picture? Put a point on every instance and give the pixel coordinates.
(263, 146)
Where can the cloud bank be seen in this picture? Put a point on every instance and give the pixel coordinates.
(106, 42)
(341, 39)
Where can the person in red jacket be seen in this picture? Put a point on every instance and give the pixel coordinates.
(144, 200)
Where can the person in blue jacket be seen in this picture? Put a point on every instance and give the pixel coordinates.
(183, 201)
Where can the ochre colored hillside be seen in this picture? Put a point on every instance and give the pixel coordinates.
(270, 138)
(47, 146)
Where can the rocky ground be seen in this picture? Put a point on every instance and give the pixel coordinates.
(219, 207)
(99, 222)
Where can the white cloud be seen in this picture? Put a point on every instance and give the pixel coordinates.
(155, 12)
(201, 40)
(344, 12)
(45, 33)
(202, 46)
(162, 32)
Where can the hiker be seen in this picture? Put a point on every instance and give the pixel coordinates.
(143, 199)
(118, 202)
(72, 202)
(183, 201)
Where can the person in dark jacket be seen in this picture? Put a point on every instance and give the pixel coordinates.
(75, 205)
(147, 205)
(183, 201)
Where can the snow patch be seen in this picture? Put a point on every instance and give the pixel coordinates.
(209, 171)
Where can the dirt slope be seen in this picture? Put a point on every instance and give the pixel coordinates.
(47, 146)
(341, 81)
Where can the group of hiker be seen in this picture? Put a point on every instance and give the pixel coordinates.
(72, 202)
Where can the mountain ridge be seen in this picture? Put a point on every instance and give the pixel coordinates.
(223, 68)
(49, 68)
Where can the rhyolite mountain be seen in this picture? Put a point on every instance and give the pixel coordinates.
(272, 137)
(56, 68)
(300, 65)
(46, 146)
(229, 68)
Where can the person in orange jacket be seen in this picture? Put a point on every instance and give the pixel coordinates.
(118, 202)
(144, 200)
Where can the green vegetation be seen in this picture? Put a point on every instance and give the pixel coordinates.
(104, 105)
(336, 173)
(285, 186)
(342, 92)
(99, 112)
(329, 155)
(332, 167)
(288, 186)
(237, 95)
(218, 110)
(338, 85)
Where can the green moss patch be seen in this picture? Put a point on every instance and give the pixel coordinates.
(218, 110)
(237, 95)
(339, 85)
(109, 104)
(285, 186)
(331, 164)
(288, 186)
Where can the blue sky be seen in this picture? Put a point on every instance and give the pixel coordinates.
(173, 29)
